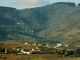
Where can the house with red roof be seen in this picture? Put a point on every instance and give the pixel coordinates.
(9, 50)
(61, 51)
(26, 51)
(41, 50)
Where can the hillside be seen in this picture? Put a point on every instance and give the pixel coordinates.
(55, 23)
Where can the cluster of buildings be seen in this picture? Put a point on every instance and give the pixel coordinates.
(35, 43)
(48, 45)
(61, 45)
(37, 50)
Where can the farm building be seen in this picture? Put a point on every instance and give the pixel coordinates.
(26, 51)
(41, 50)
(9, 50)
(61, 51)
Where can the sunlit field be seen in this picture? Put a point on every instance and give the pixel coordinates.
(36, 57)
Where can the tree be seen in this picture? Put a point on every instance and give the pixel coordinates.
(77, 52)
(2, 50)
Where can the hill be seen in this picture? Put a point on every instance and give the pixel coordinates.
(55, 23)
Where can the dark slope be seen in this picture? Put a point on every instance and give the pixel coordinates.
(52, 23)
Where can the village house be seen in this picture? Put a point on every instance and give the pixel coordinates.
(35, 43)
(61, 51)
(49, 45)
(52, 52)
(16, 49)
(66, 45)
(35, 51)
(41, 50)
(26, 51)
(9, 50)
(26, 43)
(45, 51)
(31, 43)
(59, 45)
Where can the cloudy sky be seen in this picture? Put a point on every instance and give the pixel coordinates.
(21, 4)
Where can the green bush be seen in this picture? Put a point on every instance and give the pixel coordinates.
(19, 47)
(2, 50)
(77, 52)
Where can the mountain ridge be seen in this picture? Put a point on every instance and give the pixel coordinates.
(53, 23)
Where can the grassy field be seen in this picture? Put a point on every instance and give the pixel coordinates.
(36, 57)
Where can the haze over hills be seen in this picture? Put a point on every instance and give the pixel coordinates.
(56, 23)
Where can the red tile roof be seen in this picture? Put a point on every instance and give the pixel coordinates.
(9, 48)
(61, 49)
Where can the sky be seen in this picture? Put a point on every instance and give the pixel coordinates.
(22, 4)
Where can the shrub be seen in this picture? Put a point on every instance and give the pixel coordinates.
(19, 47)
(77, 52)
(2, 50)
